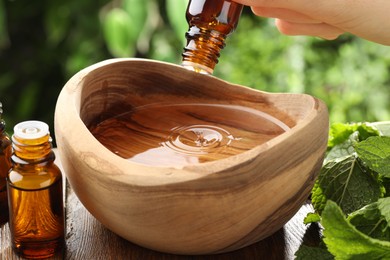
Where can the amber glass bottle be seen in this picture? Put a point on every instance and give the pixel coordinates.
(35, 193)
(210, 22)
(5, 165)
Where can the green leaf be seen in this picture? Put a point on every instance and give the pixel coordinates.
(346, 182)
(371, 221)
(339, 133)
(318, 197)
(383, 127)
(311, 218)
(384, 207)
(366, 130)
(117, 26)
(344, 241)
(138, 13)
(57, 22)
(386, 185)
(344, 149)
(310, 253)
(176, 10)
(375, 152)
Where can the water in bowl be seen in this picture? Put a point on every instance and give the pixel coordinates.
(186, 134)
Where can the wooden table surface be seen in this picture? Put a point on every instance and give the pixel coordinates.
(87, 239)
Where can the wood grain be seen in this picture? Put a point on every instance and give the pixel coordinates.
(207, 208)
(88, 239)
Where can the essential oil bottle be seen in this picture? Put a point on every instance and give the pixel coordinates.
(210, 22)
(35, 193)
(5, 165)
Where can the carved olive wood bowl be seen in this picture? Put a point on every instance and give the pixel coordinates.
(205, 208)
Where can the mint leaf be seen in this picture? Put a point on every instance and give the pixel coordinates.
(371, 221)
(346, 148)
(384, 207)
(318, 198)
(386, 186)
(311, 218)
(383, 127)
(344, 241)
(310, 253)
(375, 152)
(346, 182)
(339, 133)
(366, 130)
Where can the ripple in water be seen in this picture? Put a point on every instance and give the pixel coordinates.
(198, 139)
(186, 134)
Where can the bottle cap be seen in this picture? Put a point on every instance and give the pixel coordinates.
(31, 129)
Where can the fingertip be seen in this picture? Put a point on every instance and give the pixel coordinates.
(284, 27)
(259, 11)
(324, 31)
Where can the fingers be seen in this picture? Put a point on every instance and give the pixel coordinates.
(321, 9)
(322, 30)
(290, 4)
(294, 23)
(284, 14)
(328, 18)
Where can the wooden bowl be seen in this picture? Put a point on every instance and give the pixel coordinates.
(201, 208)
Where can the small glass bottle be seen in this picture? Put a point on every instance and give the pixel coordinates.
(35, 193)
(210, 22)
(5, 165)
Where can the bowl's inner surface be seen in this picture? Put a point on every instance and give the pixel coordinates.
(187, 133)
(162, 119)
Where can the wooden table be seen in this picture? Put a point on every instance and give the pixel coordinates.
(87, 239)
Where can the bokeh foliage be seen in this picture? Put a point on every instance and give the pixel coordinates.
(43, 43)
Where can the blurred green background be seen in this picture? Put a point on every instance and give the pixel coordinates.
(43, 43)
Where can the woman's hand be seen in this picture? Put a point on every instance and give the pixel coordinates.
(368, 19)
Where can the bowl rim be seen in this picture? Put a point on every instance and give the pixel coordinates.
(70, 111)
